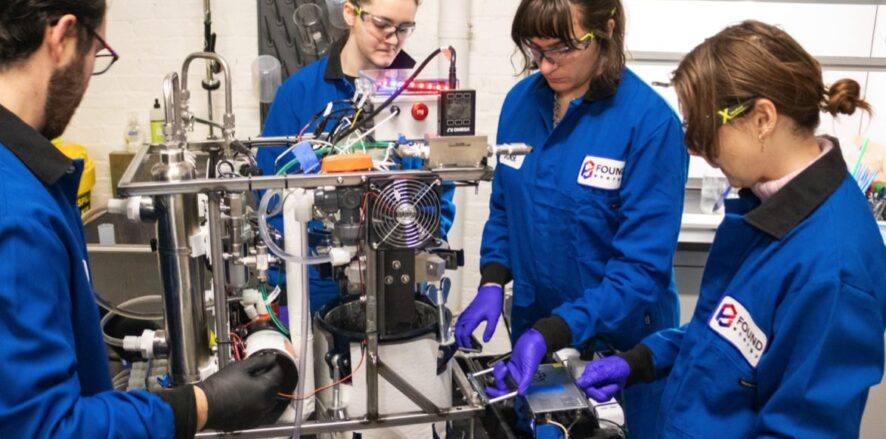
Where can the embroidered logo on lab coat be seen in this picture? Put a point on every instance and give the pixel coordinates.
(734, 323)
(601, 173)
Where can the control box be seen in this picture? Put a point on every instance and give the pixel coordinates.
(418, 116)
(458, 112)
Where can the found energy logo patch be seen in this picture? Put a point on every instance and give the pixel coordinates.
(734, 323)
(601, 172)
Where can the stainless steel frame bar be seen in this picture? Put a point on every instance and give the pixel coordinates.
(372, 316)
(243, 184)
(219, 288)
(387, 421)
(129, 188)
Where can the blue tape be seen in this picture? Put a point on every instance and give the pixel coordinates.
(307, 158)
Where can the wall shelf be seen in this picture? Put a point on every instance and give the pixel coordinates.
(827, 62)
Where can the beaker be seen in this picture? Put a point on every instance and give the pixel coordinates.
(313, 39)
(266, 78)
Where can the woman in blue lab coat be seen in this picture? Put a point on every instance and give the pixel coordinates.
(787, 336)
(586, 225)
(378, 30)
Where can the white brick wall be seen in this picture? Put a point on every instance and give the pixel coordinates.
(154, 36)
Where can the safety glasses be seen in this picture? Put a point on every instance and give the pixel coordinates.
(559, 53)
(383, 27)
(729, 113)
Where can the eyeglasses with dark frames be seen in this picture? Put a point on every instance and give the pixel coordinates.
(105, 58)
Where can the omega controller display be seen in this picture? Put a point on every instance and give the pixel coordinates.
(458, 112)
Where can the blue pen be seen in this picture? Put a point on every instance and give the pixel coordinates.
(722, 198)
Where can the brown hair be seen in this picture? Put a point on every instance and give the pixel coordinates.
(755, 60)
(23, 24)
(553, 19)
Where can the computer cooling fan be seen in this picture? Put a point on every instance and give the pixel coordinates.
(406, 213)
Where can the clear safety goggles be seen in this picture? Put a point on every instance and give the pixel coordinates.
(559, 53)
(383, 27)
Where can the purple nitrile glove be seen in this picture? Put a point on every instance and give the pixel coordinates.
(525, 359)
(486, 307)
(604, 378)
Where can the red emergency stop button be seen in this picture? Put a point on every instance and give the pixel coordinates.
(420, 111)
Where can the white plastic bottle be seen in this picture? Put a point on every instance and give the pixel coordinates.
(134, 136)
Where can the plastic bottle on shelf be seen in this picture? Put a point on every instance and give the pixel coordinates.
(134, 136)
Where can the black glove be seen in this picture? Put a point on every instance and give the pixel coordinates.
(244, 394)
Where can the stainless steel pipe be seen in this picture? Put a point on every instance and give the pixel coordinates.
(182, 274)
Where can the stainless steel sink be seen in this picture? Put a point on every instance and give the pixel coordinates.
(127, 268)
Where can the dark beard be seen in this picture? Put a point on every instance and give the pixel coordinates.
(66, 89)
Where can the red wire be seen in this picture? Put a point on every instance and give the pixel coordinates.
(365, 201)
(236, 347)
(255, 320)
(328, 386)
(302, 132)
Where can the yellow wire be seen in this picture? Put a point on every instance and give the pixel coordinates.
(562, 427)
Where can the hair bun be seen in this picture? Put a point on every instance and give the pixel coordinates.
(844, 97)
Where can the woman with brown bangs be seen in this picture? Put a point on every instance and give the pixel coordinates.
(586, 225)
(787, 336)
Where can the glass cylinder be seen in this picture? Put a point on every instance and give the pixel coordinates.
(313, 39)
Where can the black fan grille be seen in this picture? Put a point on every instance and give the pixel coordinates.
(406, 213)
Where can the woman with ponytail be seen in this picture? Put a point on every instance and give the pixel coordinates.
(787, 336)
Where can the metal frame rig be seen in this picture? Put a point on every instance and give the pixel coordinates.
(201, 196)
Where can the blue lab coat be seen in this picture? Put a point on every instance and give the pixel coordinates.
(305, 93)
(787, 336)
(56, 382)
(594, 252)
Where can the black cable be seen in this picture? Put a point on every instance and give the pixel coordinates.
(320, 113)
(390, 100)
(453, 78)
(240, 148)
(321, 126)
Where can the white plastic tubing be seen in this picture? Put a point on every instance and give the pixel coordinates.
(263, 215)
